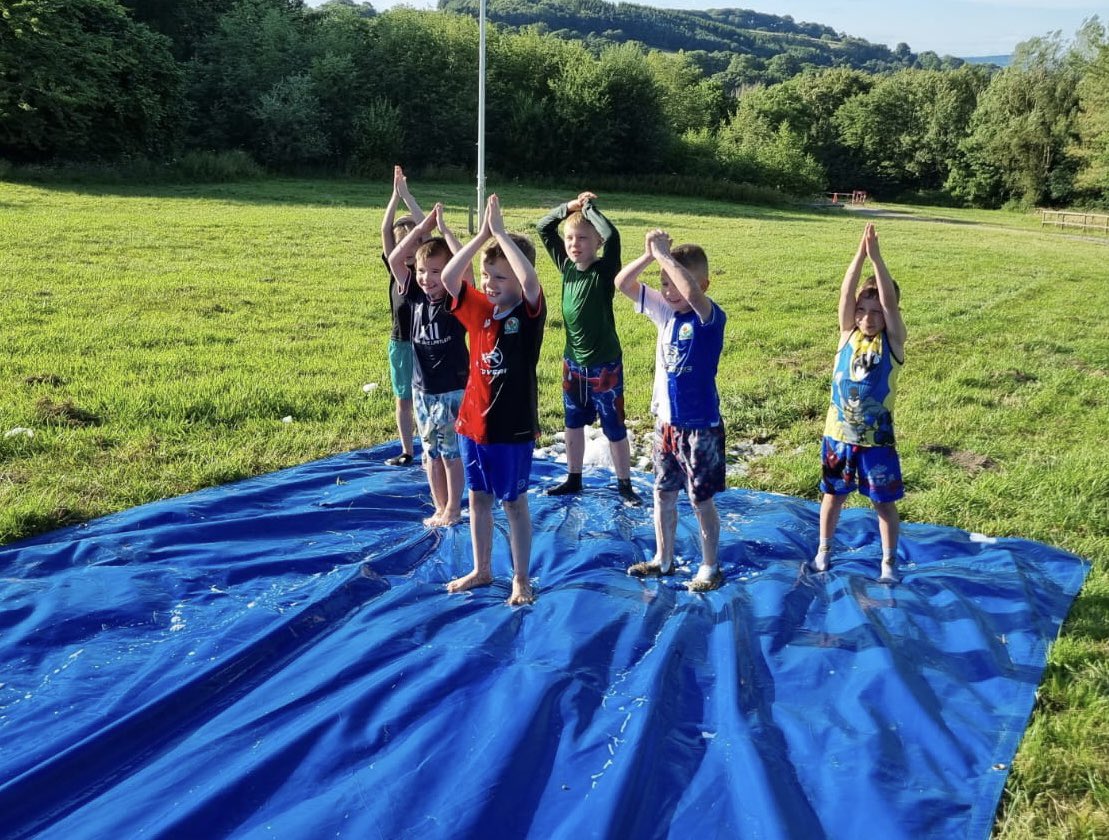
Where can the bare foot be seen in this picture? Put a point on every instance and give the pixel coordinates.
(449, 517)
(521, 593)
(435, 520)
(470, 581)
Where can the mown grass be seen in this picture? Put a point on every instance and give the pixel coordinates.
(155, 337)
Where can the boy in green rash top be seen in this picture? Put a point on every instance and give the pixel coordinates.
(592, 367)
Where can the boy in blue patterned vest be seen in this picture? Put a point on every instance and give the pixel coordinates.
(858, 450)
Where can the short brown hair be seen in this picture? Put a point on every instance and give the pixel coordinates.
(869, 289)
(403, 224)
(432, 248)
(693, 259)
(493, 250)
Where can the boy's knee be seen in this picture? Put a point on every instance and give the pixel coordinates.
(666, 499)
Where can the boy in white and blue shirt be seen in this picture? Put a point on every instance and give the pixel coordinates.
(688, 446)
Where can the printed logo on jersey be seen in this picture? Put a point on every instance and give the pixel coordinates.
(491, 363)
(429, 334)
(685, 331)
(512, 326)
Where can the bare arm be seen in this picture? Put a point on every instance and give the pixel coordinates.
(452, 242)
(887, 294)
(627, 281)
(402, 253)
(683, 282)
(388, 242)
(400, 185)
(461, 265)
(521, 266)
(400, 193)
(850, 283)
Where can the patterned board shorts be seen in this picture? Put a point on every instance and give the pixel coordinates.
(689, 458)
(435, 417)
(591, 391)
(875, 471)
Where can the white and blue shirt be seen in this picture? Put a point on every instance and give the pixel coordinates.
(687, 355)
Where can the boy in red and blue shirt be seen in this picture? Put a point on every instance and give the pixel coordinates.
(498, 421)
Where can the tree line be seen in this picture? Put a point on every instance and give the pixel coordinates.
(343, 88)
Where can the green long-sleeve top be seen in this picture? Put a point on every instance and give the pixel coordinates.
(586, 295)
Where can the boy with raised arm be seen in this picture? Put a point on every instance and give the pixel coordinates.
(858, 447)
(400, 340)
(592, 366)
(688, 443)
(499, 419)
(440, 370)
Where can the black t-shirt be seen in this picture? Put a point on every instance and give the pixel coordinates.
(399, 307)
(439, 340)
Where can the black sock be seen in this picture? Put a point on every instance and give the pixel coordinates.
(572, 484)
(624, 485)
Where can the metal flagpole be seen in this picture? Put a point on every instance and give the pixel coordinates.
(481, 115)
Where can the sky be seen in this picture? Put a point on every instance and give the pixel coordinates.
(947, 27)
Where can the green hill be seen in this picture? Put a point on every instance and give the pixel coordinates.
(719, 33)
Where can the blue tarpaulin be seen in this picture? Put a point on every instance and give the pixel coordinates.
(279, 658)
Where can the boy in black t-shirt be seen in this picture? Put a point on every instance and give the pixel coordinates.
(441, 363)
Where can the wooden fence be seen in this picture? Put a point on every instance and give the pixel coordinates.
(853, 197)
(1073, 219)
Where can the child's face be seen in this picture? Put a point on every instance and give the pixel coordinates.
(869, 317)
(673, 297)
(500, 284)
(429, 275)
(582, 244)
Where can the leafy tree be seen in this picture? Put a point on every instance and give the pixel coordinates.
(902, 132)
(1091, 146)
(184, 22)
(1021, 130)
(523, 134)
(255, 45)
(690, 102)
(426, 67)
(289, 124)
(753, 150)
(80, 79)
(609, 114)
(806, 105)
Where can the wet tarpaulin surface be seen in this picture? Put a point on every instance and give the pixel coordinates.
(278, 658)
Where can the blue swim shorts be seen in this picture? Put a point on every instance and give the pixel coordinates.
(501, 469)
(875, 471)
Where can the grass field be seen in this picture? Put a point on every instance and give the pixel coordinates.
(156, 337)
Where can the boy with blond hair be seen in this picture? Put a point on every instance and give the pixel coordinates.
(499, 418)
(440, 370)
(592, 367)
(689, 440)
(393, 229)
(858, 450)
